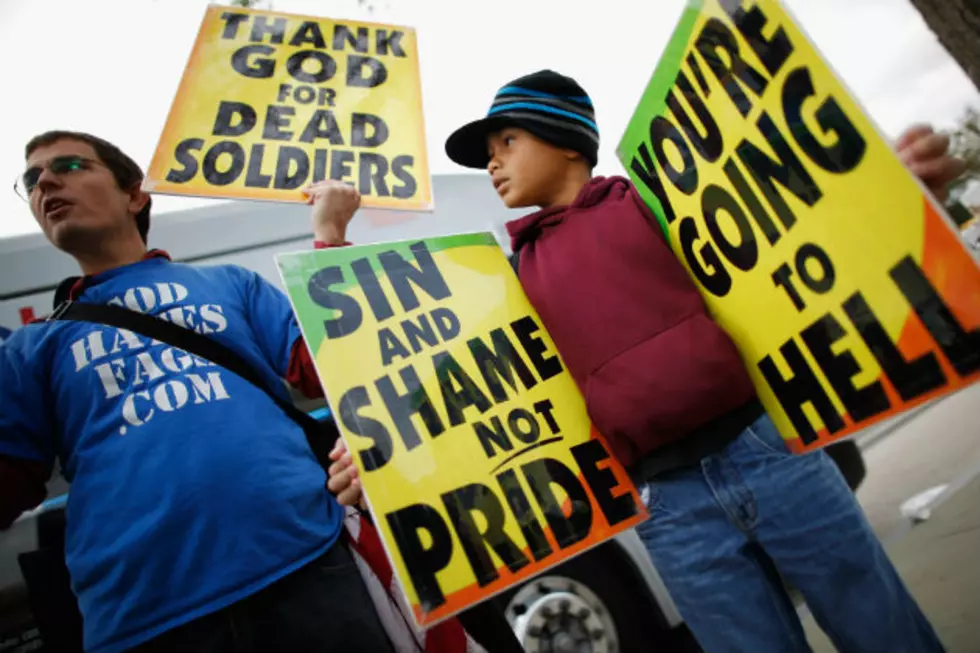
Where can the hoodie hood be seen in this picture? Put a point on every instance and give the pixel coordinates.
(525, 229)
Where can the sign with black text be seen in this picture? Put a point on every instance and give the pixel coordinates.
(471, 439)
(271, 102)
(847, 290)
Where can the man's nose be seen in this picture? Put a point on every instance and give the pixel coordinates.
(48, 180)
(493, 165)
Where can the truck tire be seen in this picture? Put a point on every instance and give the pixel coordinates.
(593, 603)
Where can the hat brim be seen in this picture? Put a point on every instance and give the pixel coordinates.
(467, 146)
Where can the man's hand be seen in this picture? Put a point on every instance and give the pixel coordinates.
(334, 204)
(926, 153)
(342, 478)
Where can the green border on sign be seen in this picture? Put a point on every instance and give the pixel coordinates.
(653, 102)
(297, 268)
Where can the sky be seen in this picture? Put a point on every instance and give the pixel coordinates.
(111, 67)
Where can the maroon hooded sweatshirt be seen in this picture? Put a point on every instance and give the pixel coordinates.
(659, 376)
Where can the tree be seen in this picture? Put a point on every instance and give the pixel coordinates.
(964, 142)
(957, 25)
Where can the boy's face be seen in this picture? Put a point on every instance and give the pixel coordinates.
(525, 170)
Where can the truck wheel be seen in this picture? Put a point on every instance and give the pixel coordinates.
(591, 604)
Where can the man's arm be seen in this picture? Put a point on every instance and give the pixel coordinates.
(26, 444)
(334, 205)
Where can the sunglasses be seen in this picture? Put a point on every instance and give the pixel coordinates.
(25, 184)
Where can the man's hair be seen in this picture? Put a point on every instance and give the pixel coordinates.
(125, 171)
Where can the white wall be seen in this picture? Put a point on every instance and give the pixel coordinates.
(250, 234)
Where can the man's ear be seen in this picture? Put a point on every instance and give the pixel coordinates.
(572, 155)
(137, 198)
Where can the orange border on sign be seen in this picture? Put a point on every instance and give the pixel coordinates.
(507, 580)
(955, 275)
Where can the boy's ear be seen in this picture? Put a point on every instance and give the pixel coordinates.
(572, 155)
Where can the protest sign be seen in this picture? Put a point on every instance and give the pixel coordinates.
(848, 293)
(270, 102)
(472, 441)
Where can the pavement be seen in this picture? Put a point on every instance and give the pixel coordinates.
(938, 558)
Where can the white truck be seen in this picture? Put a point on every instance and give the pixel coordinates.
(607, 600)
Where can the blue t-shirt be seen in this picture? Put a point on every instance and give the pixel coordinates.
(190, 488)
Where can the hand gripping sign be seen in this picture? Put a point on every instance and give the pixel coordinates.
(849, 294)
(474, 448)
(270, 102)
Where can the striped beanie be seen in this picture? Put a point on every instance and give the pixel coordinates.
(551, 106)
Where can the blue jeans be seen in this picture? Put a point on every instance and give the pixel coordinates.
(722, 534)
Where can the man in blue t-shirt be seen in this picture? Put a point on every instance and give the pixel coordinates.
(198, 517)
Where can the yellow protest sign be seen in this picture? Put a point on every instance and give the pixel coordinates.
(843, 283)
(473, 444)
(270, 102)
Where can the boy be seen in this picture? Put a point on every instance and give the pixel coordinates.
(667, 388)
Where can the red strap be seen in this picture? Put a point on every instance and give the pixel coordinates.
(27, 315)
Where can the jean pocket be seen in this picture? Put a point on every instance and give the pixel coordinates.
(763, 434)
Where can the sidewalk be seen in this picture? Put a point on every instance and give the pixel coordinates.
(939, 559)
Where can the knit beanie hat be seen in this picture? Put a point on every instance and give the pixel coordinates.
(551, 106)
